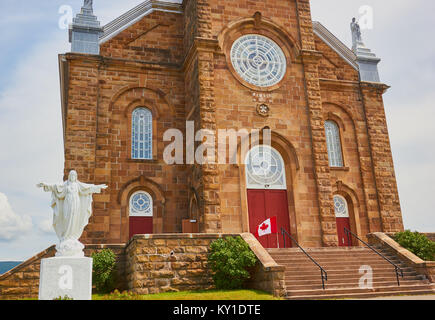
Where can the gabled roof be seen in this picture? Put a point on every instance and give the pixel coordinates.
(132, 16)
(335, 44)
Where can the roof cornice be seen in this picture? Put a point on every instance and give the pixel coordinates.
(132, 16)
(335, 44)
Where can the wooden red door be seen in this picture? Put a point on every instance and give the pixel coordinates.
(343, 240)
(265, 204)
(141, 225)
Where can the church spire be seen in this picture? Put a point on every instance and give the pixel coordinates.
(85, 31)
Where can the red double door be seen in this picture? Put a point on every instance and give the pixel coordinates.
(141, 225)
(343, 240)
(265, 204)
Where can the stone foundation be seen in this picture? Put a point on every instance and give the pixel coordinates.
(178, 262)
(169, 262)
(153, 264)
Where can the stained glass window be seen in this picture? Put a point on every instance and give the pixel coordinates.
(340, 206)
(258, 60)
(142, 134)
(334, 144)
(265, 169)
(141, 204)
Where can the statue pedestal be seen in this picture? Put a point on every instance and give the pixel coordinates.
(66, 276)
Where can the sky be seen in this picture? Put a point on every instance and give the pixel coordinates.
(30, 119)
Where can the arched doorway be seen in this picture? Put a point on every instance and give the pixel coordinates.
(267, 192)
(342, 217)
(141, 213)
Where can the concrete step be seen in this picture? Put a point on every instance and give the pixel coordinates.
(347, 291)
(302, 256)
(350, 278)
(303, 281)
(327, 250)
(348, 284)
(362, 295)
(332, 274)
(332, 264)
(332, 257)
(353, 277)
(343, 268)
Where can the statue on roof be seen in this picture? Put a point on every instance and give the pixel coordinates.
(356, 33)
(87, 4)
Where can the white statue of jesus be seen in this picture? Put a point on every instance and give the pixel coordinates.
(72, 207)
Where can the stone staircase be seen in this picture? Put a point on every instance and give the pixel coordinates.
(303, 280)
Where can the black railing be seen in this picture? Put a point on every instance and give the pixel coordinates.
(396, 267)
(323, 273)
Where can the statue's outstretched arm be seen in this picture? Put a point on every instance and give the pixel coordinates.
(46, 187)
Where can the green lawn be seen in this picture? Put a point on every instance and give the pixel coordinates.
(193, 295)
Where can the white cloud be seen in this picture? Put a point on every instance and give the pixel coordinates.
(12, 225)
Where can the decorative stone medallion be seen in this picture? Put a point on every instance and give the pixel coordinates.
(263, 110)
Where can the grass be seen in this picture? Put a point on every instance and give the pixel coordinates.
(192, 295)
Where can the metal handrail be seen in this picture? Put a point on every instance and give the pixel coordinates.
(396, 267)
(323, 273)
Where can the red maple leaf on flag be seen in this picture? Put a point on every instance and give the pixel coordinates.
(264, 226)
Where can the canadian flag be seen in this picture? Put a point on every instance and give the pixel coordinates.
(267, 227)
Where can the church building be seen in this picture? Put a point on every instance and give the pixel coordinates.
(244, 66)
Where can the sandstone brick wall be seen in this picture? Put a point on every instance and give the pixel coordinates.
(177, 65)
(382, 159)
(165, 263)
(23, 281)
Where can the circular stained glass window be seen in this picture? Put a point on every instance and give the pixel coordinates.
(265, 169)
(340, 206)
(258, 60)
(141, 204)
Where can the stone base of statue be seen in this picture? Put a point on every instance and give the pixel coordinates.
(70, 248)
(66, 277)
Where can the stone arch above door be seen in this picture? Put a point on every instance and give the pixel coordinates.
(153, 189)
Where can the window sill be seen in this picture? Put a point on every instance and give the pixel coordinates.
(339, 169)
(143, 160)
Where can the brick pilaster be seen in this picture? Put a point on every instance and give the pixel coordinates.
(382, 159)
(209, 185)
(310, 59)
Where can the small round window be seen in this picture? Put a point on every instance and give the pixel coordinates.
(141, 204)
(258, 60)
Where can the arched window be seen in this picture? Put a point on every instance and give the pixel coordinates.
(333, 143)
(141, 204)
(142, 134)
(265, 169)
(340, 207)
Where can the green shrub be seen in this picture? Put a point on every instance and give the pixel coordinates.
(417, 243)
(104, 271)
(229, 259)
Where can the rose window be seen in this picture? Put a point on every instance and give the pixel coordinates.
(258, 60)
